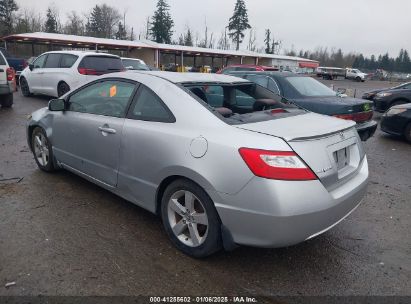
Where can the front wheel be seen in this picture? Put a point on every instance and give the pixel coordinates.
(25, 90)
(190, 219)
(7, 101)
(358, 79)
(42, 150)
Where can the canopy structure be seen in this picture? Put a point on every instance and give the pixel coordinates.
(153, 53)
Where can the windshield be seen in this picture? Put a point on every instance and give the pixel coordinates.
(131, 64)
(308, 86)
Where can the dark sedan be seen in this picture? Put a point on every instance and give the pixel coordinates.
(397, 121)
(393, 97)
(314, 96)
(371, 94)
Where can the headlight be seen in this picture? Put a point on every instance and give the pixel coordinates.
(395, 111)
(384, 94)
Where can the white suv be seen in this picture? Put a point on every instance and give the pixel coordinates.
(56, 73)
(6, 83)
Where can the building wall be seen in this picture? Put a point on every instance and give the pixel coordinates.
(147, 55)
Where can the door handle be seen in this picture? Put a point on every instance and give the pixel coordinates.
(107, 130)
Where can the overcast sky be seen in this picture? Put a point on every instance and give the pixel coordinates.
(367, 26)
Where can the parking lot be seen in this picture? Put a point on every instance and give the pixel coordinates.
(61, 235)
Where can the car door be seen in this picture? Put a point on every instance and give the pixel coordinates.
(51, 74)
(87, 136)
(34, 77)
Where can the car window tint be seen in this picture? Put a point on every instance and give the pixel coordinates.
(39, 62)
(52, 61)
(273, 86)
(261, 80)
(148, 106)
(109, 98)
(213, 95)
(243, 99)
(2, 60)
(102, 64)
(68, 60)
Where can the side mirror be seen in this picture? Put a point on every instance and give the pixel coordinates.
(57, 105)
(31, 67)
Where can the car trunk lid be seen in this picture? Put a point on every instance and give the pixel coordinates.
(330, 147)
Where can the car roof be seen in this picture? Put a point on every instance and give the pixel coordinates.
(78, 53)
(271, 73)
(175, 77)
(128, 58)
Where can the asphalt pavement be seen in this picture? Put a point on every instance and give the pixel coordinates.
(61, 235)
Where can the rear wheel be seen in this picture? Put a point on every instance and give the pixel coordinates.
(62, 89)
(25, 90)
(407, 132)
(42, 150)
(190, 219)
(6, 101)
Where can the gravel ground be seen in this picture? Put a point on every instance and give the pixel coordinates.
(61, 235)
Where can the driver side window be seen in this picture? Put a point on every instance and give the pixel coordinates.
(108, 98)
(39, 62)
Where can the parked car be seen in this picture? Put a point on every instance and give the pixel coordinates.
(18, 64)
(7, 81)
(397, 121)
(222, 160)
(355, 74)
(314, 96)
(392, 97)
(134, 64)
(245, 67)
(371, 94)
(331, 73)
(56, 73)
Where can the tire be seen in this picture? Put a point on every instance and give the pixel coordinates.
(7, 100)
(407, 132)
(358, 79)
(194, 230)
(24, 86)
(42, 150)
(62, 89)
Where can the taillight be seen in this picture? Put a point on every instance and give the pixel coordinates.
(357, 117)
(84, 71)
(281, 165)
(10, 74)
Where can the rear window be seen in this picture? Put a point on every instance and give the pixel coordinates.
(102, 64)
(134, 65)
(308, 86)
(2, 60)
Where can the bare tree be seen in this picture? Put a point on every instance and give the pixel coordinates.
(252, 39)
(74, 24)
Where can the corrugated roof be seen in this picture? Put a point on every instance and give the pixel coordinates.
(146, 44)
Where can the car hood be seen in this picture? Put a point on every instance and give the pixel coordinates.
(396, 91)
(310, 125)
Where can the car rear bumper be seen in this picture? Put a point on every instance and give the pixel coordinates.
(6, 89)
(273, 213)
(366, 129)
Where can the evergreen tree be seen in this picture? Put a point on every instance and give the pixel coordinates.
(162, 23)
(50, 25)
(238, 23)
(188, 38)
(267, 41)
(94, 25)
(121, 33)
(7, 8)
(102, 21)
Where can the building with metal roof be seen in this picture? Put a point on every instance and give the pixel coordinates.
(155, 54)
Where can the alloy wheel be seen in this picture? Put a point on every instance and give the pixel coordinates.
(187, 218)
(41, 150)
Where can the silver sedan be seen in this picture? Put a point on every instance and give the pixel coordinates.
(223, 161)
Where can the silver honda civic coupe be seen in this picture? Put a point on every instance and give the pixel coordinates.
(222, 160)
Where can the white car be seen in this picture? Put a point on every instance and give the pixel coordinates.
(134, 64)
(56, 73)
(6, 83)
(355, 74)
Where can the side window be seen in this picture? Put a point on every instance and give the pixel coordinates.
(273, 86)
(109, 98)
(53, 61)
(244, 100)
(39, 62)
(68, 60)
(148, 106)
(261, 80)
